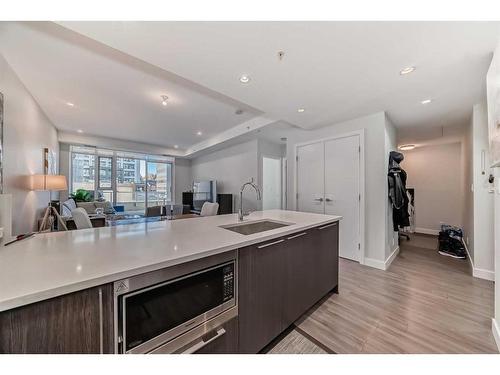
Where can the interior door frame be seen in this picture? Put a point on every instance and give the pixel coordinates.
(361, 134)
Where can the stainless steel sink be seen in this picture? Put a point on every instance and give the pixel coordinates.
(252, 227)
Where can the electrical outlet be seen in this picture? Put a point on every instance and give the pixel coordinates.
(467, 240)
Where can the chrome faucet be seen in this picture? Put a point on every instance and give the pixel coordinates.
(257, 190)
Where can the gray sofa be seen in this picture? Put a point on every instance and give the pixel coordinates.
(90, 207)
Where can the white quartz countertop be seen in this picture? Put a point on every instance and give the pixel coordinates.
(53, 264)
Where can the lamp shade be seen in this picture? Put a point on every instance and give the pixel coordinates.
(48, 182)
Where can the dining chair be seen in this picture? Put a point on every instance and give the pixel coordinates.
(209, 209)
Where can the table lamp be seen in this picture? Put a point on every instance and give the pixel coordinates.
(50, 183)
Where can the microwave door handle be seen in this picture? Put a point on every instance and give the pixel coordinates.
(202, 343)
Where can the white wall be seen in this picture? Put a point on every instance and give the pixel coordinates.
(493, 87)
(391, 237)
(375, 177)
(183, 180)
(468, 196)
(496, 221)
(231, 167)
(435, 172)
(116, 144)
(26, 132)
(483, 197)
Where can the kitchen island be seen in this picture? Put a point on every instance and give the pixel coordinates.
(64, 284)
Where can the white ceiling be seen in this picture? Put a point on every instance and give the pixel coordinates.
(115, 72)
(335, 70)
(115, 95)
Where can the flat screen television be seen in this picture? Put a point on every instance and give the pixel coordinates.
(204, 191)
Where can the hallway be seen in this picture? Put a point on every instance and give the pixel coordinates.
(424, 303)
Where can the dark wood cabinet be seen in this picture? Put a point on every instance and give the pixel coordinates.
(260, 294)
(326, 254)
(227, 343)
(280, 280)
(300, 261)
(80, 322)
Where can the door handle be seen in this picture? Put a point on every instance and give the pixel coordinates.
(327, 226)
(270, 244)
(329, 200)
(319, 199)
(297, 235)
(202, 343)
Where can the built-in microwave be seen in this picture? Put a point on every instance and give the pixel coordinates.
(153, 309)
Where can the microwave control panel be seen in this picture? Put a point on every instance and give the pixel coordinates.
(228, 272)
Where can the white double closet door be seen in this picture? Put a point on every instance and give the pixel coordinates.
(328, 182)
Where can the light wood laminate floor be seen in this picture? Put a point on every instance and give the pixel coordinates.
(424, 303)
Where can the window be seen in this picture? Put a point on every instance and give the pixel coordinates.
(82, 172)
(134, 181)
(105, 172)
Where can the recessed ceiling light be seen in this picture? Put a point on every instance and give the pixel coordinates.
(244, 78)
(164, 99)
(199, 133)
(406, 147)
(407, 70)
(300, 110)
(426, 101)
(69, 104)
(176, 146)
(80, 131)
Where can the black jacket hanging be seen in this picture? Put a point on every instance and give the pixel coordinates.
(397, 191)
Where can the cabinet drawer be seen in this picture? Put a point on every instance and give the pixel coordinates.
(225, 343)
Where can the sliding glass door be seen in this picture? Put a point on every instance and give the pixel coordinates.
(159, 183)
(131, 185)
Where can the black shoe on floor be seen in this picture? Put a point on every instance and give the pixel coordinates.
(453, 254)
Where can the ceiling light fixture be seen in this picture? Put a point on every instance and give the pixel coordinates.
(244, 78)
(69, 104)
(426, 101)
(199, 133)
(176, 146)
(407, 70)
(301, 110)
(80, 131)
(164, 99)
(406, 147)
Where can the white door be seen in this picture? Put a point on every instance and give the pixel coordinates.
(342, 158)
(271, 183)
(311, 178)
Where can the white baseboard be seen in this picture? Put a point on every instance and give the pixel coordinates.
(468, 256)
(427, 231)
(381, 265)
(483, 274)
(391, 257)
(375, 263)
(480, 273)
(495, 329)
